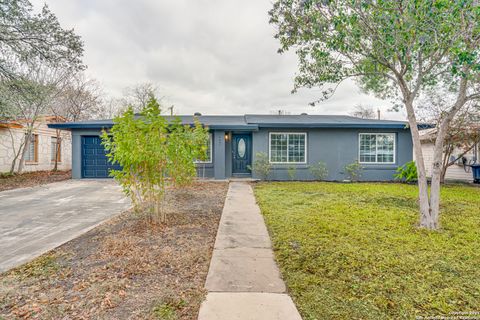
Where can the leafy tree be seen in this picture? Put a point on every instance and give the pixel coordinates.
(153, 153)
(396, 49)
(27, 36)
(36, 55)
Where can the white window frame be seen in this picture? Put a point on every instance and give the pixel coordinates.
(287, 133)
(210, 138)
(376, 146)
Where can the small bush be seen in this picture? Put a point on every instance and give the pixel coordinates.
(168, 310)
(353, 171)
(407, 172)
(319, 170)
(261, 166)
(292, 172)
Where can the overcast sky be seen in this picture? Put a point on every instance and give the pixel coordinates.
(211, 56)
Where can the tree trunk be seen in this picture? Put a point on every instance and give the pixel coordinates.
(443, 173)
(426, 219)
(437, 170)
(28, 137)
(16, 152)
(57, 147)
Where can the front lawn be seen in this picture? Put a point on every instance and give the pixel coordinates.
(125, 268)
(352, 251)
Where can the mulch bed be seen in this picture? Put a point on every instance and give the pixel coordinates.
(31, 179)
(126, 268)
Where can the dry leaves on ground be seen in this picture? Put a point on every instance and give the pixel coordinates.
(124, 268)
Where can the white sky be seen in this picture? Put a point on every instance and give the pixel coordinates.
(211, 56)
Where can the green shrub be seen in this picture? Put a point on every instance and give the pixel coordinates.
(168, 309)
(151, 149)
(353, 171)
(319, 170)
(261, 166)
(292, 172)
(407, 172)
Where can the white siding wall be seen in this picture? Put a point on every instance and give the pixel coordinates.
(44, 149)
(454, 172)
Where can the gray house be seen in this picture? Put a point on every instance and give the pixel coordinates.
(288, 140)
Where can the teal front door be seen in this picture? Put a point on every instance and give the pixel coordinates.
(241, 154)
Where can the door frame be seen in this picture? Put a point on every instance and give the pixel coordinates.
(249, 147)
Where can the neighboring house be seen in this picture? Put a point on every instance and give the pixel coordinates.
(457, 171)
(289, 140)
(41, 153)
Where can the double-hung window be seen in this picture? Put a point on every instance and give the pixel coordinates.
(31, 155)
(377, 148)
(288, 147)
(208, 159)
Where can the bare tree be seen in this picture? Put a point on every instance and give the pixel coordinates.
(363, 112)
(36, 56)
(138, 96)
(80, 99)
(463, 132)
(30, 96)
(109, 109)
(10, 119)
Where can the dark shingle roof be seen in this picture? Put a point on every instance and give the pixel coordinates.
(253, 122)
(319, 121)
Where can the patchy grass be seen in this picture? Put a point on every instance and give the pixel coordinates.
(353, 251)
(31, 179)
(43, 267)
(124, 269)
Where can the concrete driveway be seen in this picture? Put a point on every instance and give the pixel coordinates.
(38, 219)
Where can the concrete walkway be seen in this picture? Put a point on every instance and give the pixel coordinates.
(37, 219)
(243, 281)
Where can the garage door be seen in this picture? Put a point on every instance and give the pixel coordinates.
(95, 163)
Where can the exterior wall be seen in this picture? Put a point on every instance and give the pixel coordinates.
(337, 148)
(204, 170)
(219, 154)
(44, 149)
(454, 172)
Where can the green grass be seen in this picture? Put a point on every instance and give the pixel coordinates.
(353, 251)
(167, 310)
(42, 267)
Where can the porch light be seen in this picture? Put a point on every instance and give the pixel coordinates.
(227, 137)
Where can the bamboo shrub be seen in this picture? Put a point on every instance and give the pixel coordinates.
(154, 153)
